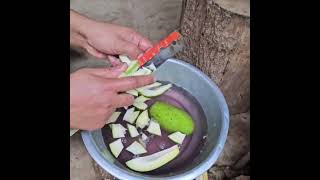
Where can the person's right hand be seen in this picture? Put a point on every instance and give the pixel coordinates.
(96, 93)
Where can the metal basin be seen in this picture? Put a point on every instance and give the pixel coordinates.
(216, 114)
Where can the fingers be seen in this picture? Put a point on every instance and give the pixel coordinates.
(113, 72)
(136, 38)
(142, 42)
(78, 40)
(94, 52)
(128, 83)
(125, 47)
(123, 100)
(122, 67)
(145, 44)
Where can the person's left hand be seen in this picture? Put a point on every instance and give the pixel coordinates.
(102, 39)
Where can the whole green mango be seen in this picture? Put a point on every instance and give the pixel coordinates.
(171, 118)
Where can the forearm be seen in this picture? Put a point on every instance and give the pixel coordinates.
(79, 23)
(100, 39)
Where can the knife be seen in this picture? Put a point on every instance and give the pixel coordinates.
(165, 49)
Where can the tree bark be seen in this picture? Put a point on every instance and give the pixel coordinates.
(218, 43)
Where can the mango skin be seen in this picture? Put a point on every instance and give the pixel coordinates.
(171, 118)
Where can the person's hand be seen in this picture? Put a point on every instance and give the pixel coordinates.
(102, 39)
(96, 93)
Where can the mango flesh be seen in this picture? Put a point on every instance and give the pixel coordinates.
(171, 118)
(133, 67)
(153, 161)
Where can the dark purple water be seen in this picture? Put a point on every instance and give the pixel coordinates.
(192, 144)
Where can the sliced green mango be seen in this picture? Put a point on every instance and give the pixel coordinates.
(132, 130)
(128, 114)
(142, 142)
(153, 161)
(147, 71)
(141, 99)
(155, 92)
(140, 72)
(125, 59)
(140, 105)
(118, 130)
(132, 118)
(143, 119)
(153, 85)
(152, 67)
(116, 147)
(144, 137)
(133, 67)
(154, 128)
(131, 115)
(113, 118)
(177, 137)
(133, 92)
(136, 148)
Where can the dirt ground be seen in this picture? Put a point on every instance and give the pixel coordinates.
(155, 19)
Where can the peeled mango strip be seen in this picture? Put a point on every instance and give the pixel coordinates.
(156, 84)
(155, 92)
(153, 161)
(133, 67)
(125, 59)
(143, 71)
(133, 92)
(140, 72)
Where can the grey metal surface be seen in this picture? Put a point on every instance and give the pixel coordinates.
(216, 111)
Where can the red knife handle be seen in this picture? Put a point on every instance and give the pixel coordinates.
(149, 54)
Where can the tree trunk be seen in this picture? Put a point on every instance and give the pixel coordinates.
(218, 43)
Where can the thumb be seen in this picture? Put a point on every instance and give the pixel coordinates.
(125, 47)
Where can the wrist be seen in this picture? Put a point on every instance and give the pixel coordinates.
(79, 23)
